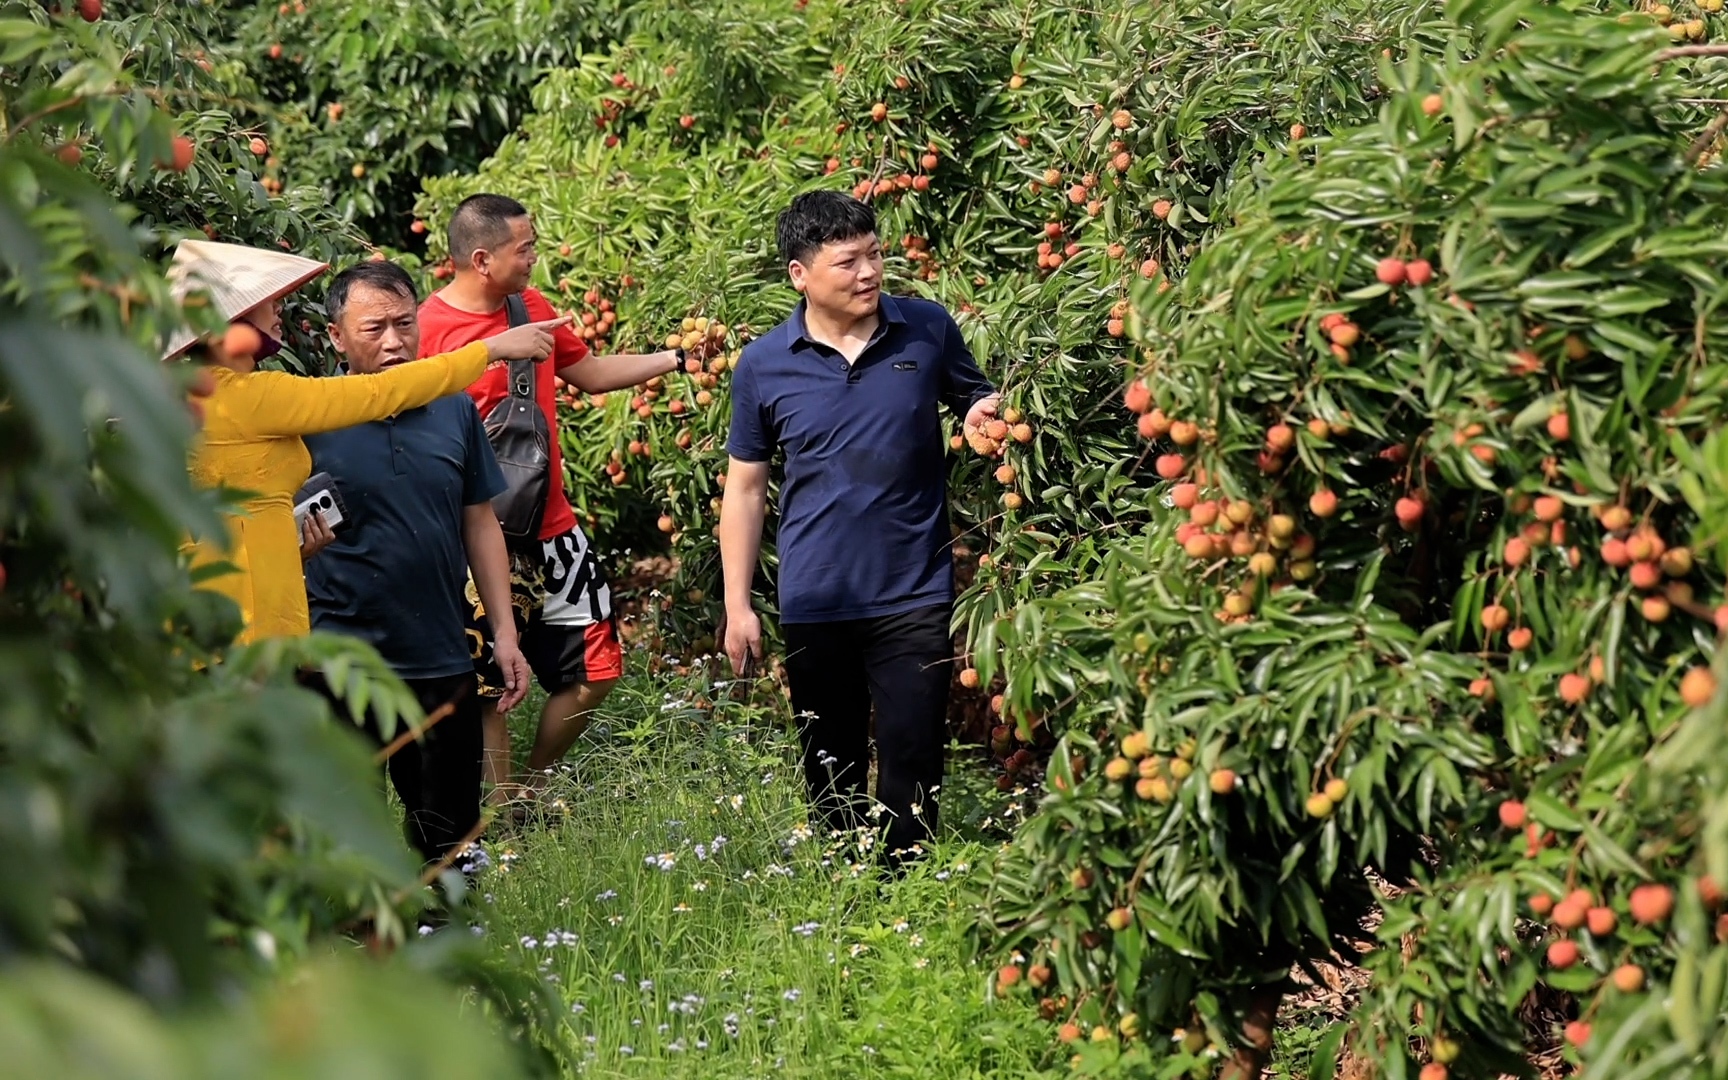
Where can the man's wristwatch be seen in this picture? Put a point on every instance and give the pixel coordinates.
(678, 354)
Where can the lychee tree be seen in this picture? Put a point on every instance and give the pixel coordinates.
(1422, 608)
(188, 831)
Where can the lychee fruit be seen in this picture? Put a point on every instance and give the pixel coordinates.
(1651, 904)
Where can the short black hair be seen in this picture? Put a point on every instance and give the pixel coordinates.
(377, 274)
(816, 218)
(481, 223)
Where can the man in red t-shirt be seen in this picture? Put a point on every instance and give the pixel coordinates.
(563, 606)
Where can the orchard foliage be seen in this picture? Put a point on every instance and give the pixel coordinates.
(364, 99)
(1434, 411)
(1384, 614)
(184, 825)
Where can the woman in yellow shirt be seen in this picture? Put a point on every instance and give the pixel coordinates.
(253, 421)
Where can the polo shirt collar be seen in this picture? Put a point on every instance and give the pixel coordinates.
(886, 307)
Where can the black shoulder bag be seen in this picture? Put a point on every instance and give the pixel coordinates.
(516, 427)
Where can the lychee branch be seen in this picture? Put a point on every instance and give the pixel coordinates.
(1679, 51)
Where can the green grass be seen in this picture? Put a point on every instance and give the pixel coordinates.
(696, 927)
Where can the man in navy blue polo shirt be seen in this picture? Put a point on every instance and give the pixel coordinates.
(849, 388)
(418, 491)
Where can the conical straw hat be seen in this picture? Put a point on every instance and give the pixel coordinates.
(238, 279)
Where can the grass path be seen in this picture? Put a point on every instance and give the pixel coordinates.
(697, 928)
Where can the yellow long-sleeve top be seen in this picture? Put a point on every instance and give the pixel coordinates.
(251, 442)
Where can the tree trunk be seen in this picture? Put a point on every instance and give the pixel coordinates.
(1249, 1061)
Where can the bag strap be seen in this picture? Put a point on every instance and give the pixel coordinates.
(521, 371)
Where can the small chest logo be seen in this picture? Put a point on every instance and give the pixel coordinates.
(906, 365)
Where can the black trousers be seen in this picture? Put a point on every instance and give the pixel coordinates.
(437, 776)
(901, 665)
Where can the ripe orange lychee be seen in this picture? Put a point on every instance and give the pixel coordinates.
(1409, 512)
(1651, 904)
(1323, 503)
(1495, 618)
(1170, 466)
(1541, 905)
(1577, 1032)
(1569, 914)
(1629, 978)
(1433, 1071)
(1562, 954)
(1710, 892)
(1161, 209)
(1601, 921)
(241, 341)
(1069, 1032)
(1433, 104)
(1644, 575)
(1560, 427)
(1117, 769)
(1574, 688)
(1390, 271)
(1614, 552)
(1280, 438)
(1513, 814)
(1007, 976)
(969, 678)
(1676, 562)
(1418, 272)
(1183, 433)
(1222, 781)
(879, 112)
(1519, 639)
(1517, 551)
(1153, 789)
(1119, 919)
(1697, 687)
(182, 154)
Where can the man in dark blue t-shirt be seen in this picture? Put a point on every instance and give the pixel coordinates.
(418, 491)
(849, 388)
